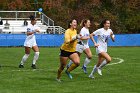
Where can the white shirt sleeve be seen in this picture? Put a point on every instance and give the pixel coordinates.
(97, 32)
(82, 32)
(111, 31)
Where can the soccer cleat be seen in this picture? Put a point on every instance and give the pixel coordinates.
(33, 66)
(99, 71)
(69, 75)
(21, 66)
(85, 69)
(91, 76)
(58, 80)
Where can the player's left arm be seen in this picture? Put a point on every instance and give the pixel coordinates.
(112, 36)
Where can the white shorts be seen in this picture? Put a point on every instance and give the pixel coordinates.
(100, 49)
(80, 48)
(30, 43)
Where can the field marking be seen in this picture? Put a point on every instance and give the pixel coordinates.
(28, 70)
(120, 61)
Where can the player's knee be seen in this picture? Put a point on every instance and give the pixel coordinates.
(90, 57)
(77, 63)
(109, 60)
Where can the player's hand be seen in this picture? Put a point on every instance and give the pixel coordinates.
(37, 30)
(88, 37)
(78, 36)
(96, 45)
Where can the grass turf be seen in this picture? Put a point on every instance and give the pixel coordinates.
(120, 78)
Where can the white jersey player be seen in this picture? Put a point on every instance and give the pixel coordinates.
(103, 34)
(30, 43)
(82, 45)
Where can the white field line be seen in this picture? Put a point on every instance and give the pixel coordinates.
(120, 61)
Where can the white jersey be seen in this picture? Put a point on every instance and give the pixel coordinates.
(84, 32)
(84, 43)
(30, 40)
(102, 39)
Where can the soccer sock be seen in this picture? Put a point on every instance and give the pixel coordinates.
(87, 61)
(69, 64)
(36, 55)
(94, 70)
(25, 57)
(72, 67)
(102, 64)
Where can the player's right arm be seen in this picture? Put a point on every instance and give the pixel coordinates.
(92, 37)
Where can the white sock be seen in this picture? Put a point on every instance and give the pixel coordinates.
(102, 64)
(35, 57)
(94, 70)
(24, 58)
(87, 61)
(69, 64)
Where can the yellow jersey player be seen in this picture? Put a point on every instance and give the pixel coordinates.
(68, 50)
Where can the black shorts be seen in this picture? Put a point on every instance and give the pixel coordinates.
(64, 53)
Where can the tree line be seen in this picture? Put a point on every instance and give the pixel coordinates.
(123, 14)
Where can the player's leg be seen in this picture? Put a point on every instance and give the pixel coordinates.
(100, 59)
(79, 50)
(103, 62)
(88, 53)
(36, 56)
(70, 62)
(63, 62)
(107, 59)
(25, 57)
(76, 62)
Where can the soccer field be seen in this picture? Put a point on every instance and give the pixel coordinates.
(117, 78)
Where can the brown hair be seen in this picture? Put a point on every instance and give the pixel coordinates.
(70, 22)
(103, 22)
(83, 22)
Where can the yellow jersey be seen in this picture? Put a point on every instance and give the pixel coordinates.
(71, 46)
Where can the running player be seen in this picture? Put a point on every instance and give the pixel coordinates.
(30, 42)
(103, 35)
(67, 50)
(82, 45)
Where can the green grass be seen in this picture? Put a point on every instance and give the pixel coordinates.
(120, 78)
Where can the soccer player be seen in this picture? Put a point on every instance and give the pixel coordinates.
(103, 35)
(68, 50)
(82, 45)
(30, 43)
